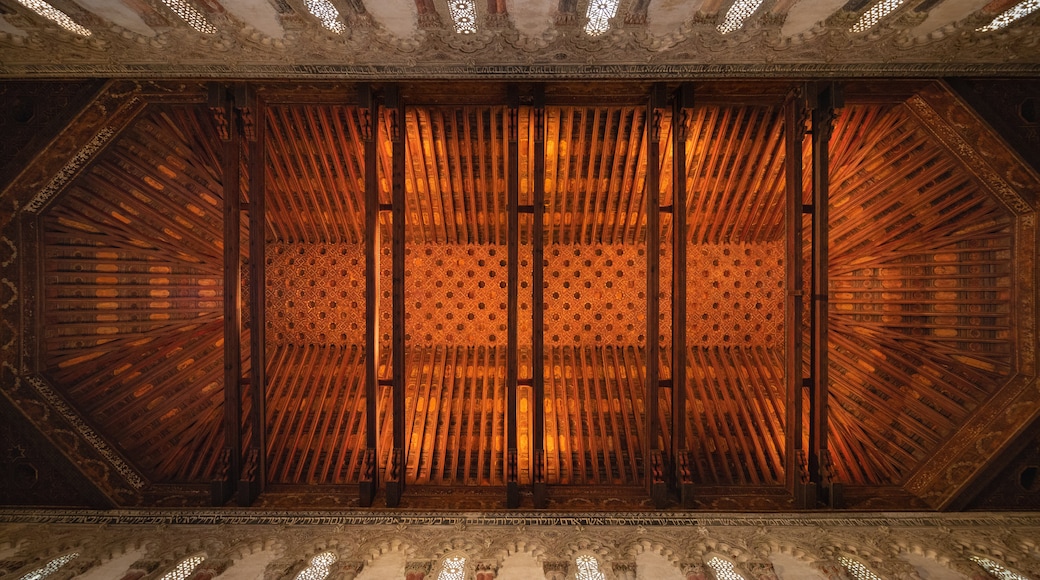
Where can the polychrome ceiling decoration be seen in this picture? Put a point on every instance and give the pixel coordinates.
(197, 293)
(516, 38)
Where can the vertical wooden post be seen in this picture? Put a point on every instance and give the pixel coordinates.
(395, 482)
(798, 480)
(254, 470)
(222, 104)
(540, 486)
(370, 129)
(681, 111)
(512, 287)
(656, 474)
(828, 100)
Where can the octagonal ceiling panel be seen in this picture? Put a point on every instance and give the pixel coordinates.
(921, 294)
(133, 305)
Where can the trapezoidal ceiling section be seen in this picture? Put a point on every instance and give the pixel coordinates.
(735, 417)
(921, 295)
(132, 281)
(315, 293)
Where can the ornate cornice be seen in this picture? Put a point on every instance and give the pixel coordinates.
(511, 519)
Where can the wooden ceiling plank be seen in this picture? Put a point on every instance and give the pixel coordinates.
(940, 423)
(739, 195)
(610, 175)
(415, 419)
(577, 413)
(852, 232)
(118, 235)
(347, 464)
(713, 410)
(444, 423)
(491, 142)
(454, 229)
(285, 403)
(461, 411)
(610, 419)
(288, 185)
(629, 373)
(762, 425)
(346, 147)
(470, 177)
(325, 380)
(555, 419)
(333, 411)
(152, 367)
(309, 182)
(728, 194)
(352, 146)
(424, 163)
(150, 414)
(461, 210)
(767, 189)
(876, 394)
(308, 412)
(332, 191)
(570, 123)
(591, 443)
(709, 180)
(746, 450)
(443, 163)
(772, 407)
(165, 200)
(588, 185)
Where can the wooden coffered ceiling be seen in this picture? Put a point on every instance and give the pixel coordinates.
(117, 329)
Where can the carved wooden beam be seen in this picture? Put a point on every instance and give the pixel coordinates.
(796, 458)
(222, 104)
(253, 474)
(512, 275)
(540, 486)
(656, 473)
(370, 128)
(828, 99)
(682, 106)
(395, 108)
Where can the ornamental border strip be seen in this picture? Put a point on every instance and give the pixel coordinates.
(391, 518)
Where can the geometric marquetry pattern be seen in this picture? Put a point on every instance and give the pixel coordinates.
(595, 294)
(921, 300)
(133, 286)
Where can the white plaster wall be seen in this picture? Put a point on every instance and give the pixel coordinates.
(788, 566)
(113, 568)
(118, 13)
(531, 17)
(948, 12)
(653, 566)
(520, 566)
(806, 13)
(400, 17)
(666, 16)
(11, 29)
(389, 565)
(250, 567)
(259, 14)
(929, 569)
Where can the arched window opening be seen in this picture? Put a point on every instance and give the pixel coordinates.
(184, 569)
(857, 569)
(51, 567)
(723, 569)
(453, 568)
(588, 569)
(319, 568)
(996, 570)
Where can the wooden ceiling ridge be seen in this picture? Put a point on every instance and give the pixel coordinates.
(160, 279)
